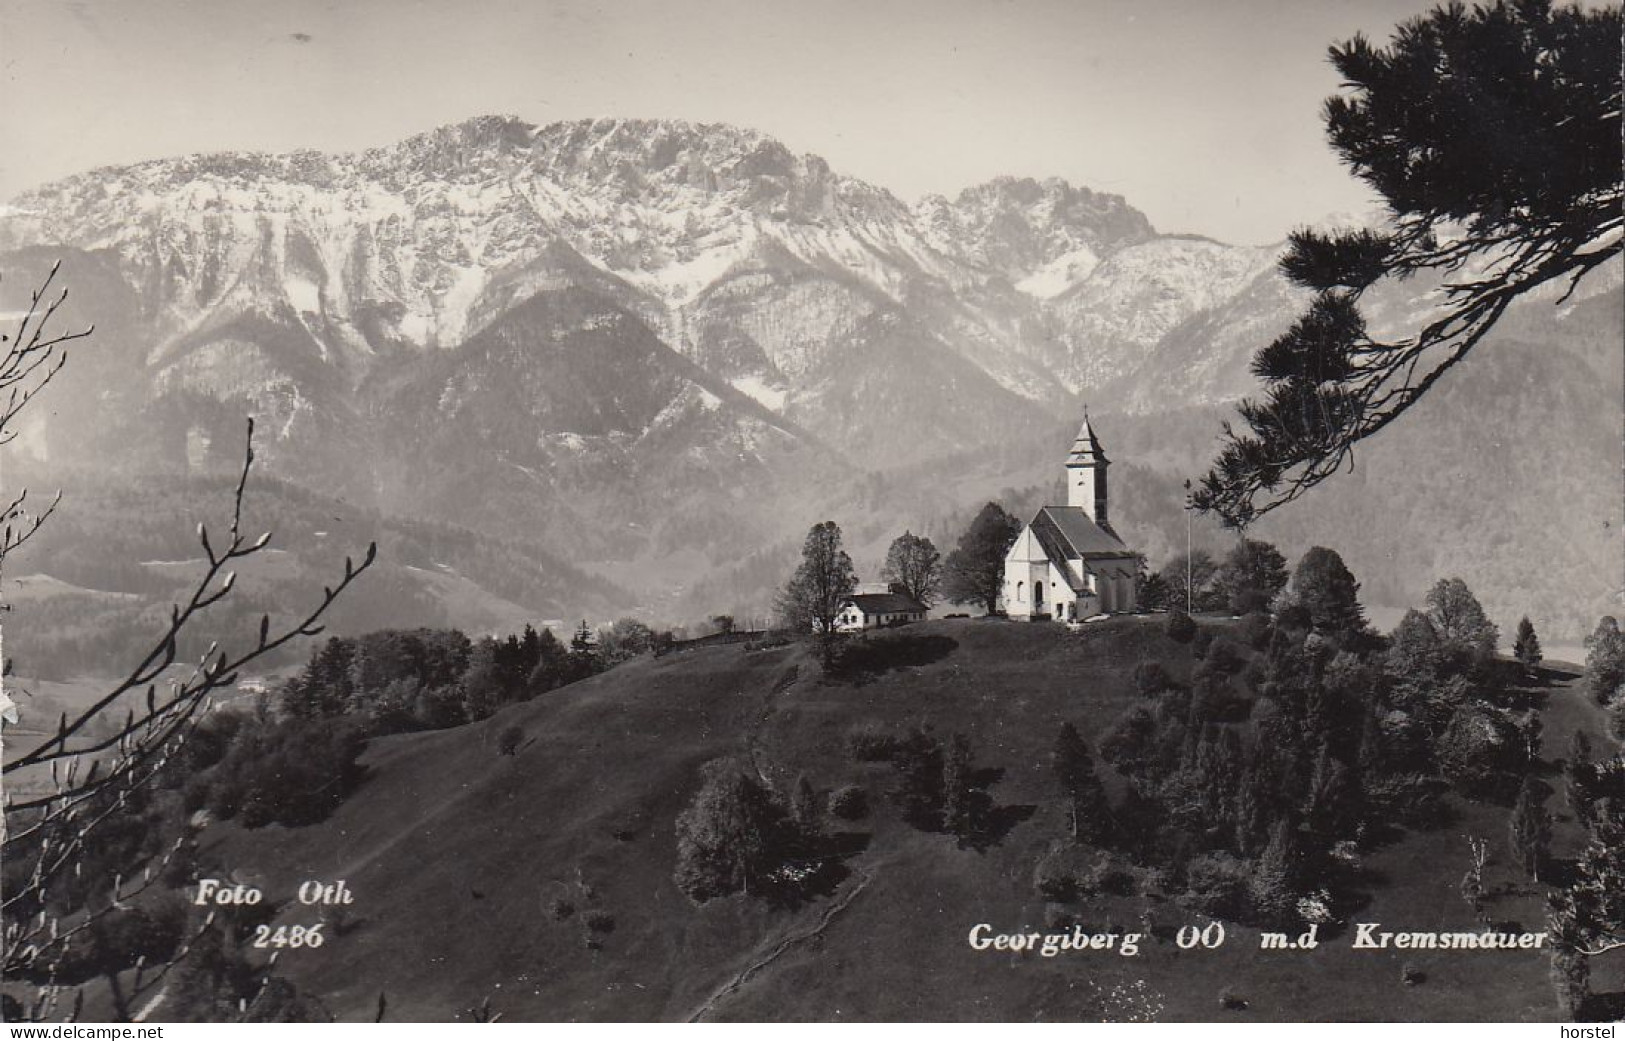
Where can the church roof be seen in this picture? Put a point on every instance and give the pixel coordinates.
(1067, 532)
(1086, 447)
(884, 603)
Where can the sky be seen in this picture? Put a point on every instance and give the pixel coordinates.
(1204, 115)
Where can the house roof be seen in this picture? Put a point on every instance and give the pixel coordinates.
(1072, 532)
(884, 603)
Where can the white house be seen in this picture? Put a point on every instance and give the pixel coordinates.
(1068, 563)
(874, 610)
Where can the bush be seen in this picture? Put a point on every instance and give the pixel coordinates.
(1223, 657)
(599, 921)
(1069, 873)
(1255, 630)
(1065, 874)
(1113, 876)
(1411, 800)
(1180, 627)
(849, 802)
(1151, 679)
(511, 739)
(868, 745)
(1217, 884)
(1201, 641)
(1481, 751)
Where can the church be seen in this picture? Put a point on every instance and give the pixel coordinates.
(1068, 563)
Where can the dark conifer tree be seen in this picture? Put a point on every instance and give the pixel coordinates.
(1492, 135)
(1531, 829)
(1526, 645)
(1088, 808)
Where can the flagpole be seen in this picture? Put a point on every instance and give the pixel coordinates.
(1188, 600)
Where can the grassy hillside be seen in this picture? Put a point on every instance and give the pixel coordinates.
(462, 860)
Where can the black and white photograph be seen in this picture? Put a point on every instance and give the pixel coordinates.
(840, 511)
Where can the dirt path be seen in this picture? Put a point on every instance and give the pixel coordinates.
(782, 948)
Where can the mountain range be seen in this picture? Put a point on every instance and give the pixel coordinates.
(659, 349)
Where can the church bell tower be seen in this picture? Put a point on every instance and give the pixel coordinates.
(1086, 474)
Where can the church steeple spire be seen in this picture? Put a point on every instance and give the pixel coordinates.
(1086, 473)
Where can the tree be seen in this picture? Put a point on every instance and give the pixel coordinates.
(623, 640)
(1152, 593)
(1180, 626)
(958, 816)
(1323, 586)
(1492, 137)
(1459, 619)
(1587, 917)
(974, 572)
(1274, 884)
(1251, 575)
(812, 598)
(725, 838)
(105, 760)
(1204, 593)
(722, 623)
(1531, 828)
(1086, 797)
(1414, 652)
(1605, 660)
(914, 567)
(1526, 645)
(805, 807)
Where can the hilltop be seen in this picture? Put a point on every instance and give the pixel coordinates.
(463, 860)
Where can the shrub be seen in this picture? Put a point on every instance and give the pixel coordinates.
(1480, 750)
(599, 921)
(1255, 630)
(1201, 641)
(511, 739)
(1180, 627)
(561, 908)
(849, 802)
(1223, 657)
(1217, 884)
(867, 744)
(1151, 679)
(1113, 876)
(1065, 874)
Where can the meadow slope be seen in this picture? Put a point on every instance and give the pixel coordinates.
(461, 859)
